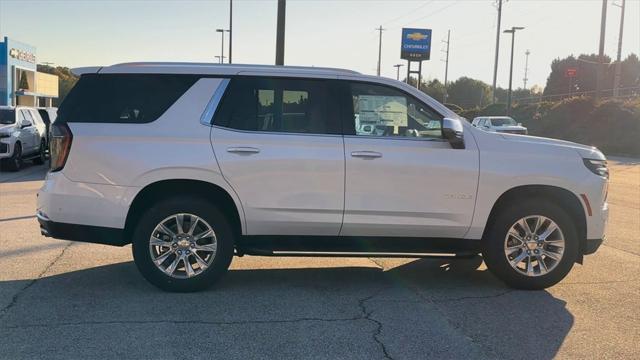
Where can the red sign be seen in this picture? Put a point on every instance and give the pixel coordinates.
(571, 72)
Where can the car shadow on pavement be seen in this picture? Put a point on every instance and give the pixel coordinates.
(29, 172)
(504, 323)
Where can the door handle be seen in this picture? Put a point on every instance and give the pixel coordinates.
(366, 154)
(243, 150)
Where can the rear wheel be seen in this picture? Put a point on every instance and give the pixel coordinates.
(183, 244)
(531, 245)
(14, 163)
(42, 154)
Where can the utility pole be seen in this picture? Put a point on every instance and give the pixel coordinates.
(600, 71)
(616, 79)
(282, 12)
(222, 31)
(446, 67)
(398, 66)
(526, 68)
(495, 64)
(380, 29)
(511, 31)
(230, 28)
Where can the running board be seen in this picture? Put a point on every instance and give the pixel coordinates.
(262, 252)
(347, 246)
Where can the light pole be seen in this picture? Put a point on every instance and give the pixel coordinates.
(495, 64)
(398, 66)
(230, 28)
(221, 31)
(380, 30)
(220, 58)
(511, 31)
(282, 13)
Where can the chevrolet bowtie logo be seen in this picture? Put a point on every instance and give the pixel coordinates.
(416, 36)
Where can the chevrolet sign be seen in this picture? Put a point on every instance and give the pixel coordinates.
(22, 55)
(416, 44)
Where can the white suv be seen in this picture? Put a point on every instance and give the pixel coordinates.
(501, 124)
(193, 163)
(23, 135)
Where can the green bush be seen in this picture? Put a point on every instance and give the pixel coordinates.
(611, 125)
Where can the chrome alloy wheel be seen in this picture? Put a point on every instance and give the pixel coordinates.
(534, 245)
(183, 245)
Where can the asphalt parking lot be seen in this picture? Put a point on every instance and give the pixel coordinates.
(70, 300)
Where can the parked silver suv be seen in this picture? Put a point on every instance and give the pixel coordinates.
(23, 136)
(193, 163)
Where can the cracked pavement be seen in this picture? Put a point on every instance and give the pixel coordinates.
(71, 300)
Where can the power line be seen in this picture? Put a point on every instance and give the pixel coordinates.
(408, 13)
(433, 13)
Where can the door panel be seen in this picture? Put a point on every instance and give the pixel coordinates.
(415, 188)
(288, 184)
(402, 177)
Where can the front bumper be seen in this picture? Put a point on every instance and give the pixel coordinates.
(83, 233)
(590, 246)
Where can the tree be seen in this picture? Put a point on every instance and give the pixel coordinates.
(467, 92)
(66, 80)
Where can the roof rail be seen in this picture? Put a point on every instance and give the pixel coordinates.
(239, 67)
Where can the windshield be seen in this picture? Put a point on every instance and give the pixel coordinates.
(502, 121)
(7, 116)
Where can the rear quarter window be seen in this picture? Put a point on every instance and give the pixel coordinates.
(123, 98)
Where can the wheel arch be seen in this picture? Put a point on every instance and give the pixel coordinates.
(563, 197)
(158, 190)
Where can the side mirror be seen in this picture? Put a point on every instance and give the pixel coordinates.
(453, 131)
(24, 124)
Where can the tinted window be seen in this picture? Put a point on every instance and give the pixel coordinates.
(123, 98)
(7, 116)
(278, 105)
(24, 114)
(384, 111)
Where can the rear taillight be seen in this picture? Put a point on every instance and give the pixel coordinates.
(59, 145)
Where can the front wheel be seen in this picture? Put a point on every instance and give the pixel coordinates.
(531, 245)
(183, 244)
(14, 163)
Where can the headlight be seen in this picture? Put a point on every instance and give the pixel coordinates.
(598, 167)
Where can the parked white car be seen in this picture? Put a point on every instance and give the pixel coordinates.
(193, 163)
(501, 124)
(22, 136)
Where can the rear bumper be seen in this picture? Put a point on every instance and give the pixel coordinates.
(83, 233)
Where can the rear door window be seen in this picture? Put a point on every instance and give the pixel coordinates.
(278, 105)
(123, 98)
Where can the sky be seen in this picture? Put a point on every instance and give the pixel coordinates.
(334, 33)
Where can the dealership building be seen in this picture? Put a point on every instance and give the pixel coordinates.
(20, 82)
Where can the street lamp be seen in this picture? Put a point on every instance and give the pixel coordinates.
(222, 31)
(398, 66)
(511, 31)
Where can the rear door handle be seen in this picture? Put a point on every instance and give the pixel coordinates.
(366, 154)
(243, 150)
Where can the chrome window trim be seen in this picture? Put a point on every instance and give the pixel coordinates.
(207, 116)
(273, 132)
(397, 138)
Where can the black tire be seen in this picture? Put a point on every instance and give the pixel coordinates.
(494, 251)
(14, 163)
(191, 205)
(42, 154)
